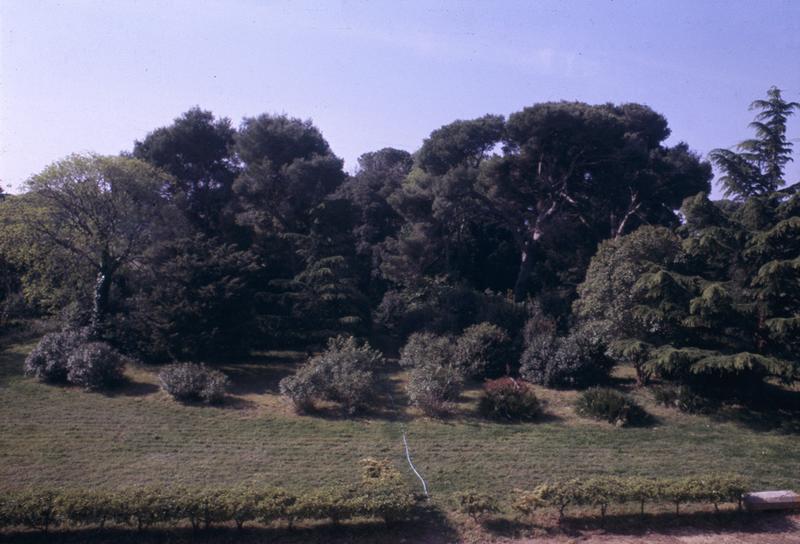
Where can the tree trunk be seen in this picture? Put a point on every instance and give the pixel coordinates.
(102, 293)
(528, 258)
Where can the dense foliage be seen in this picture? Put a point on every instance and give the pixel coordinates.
(577, 359)
(434, 379)
(602, 492)
(483, 350)
(192, 381)
(145, 507)
(95, 365)
(548, 244)
(73, 356)
(712, 306)
(507, 399)
(609, 405)
(346, 372)
(47, 361)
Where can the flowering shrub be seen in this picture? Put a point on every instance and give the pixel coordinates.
(510, 400)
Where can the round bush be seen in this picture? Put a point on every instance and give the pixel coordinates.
(609, 405)
(684, 399)
(577, 360)
(345, 373)
(95, 365)
(192, 381)
(510, 400)
(434, 378)
(483, 350)
(48, 360)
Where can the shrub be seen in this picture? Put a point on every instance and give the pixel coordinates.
(48, 360)
(345, 373)
(684, 399)
(145, 506)
(509, 399)
(33, 509)
(382, 492)
(86, 508)
(609, 405)
(476, 504)
(335, 504)
(434, 379)
(95, 365)
(275, 504)
(576, 360)
(483, 350)
(604, 491)
(192, 381)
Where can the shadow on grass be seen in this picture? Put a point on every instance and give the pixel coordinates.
(261, 374)
(774, 408)
(691, 524)
(432, 528)
(686, 524)
(131, 388)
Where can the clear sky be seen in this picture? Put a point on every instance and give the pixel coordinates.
(95, 76)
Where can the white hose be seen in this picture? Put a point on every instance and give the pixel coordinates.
(408, 456)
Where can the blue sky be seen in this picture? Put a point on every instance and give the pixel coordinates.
(81, 76)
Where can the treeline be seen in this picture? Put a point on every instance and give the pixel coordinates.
(205, 241)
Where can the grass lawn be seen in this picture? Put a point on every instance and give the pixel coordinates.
(61, 436)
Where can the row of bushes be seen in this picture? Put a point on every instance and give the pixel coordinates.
(144, 507)
(346, 372)
(438, 365)
(603, 492)
(73, 356)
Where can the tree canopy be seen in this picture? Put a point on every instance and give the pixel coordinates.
(757, 168)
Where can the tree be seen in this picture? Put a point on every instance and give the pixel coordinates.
(190, 298)
(613, 300)
(570, 175)
(288, 168)
(380, 174)
(757, 169)
(600, 169)
(197, 150)
(713, 307)
(461, 143)
(288, 174)
(104, 211)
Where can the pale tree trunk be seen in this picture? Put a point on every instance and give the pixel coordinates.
(102, 293)
(530, 252)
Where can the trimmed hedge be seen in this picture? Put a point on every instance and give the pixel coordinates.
(476, 504)
(380, 495)
(202, 508)
(602, 492)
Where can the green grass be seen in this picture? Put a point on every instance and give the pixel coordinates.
(59, 436)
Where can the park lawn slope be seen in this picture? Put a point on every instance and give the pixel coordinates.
(54, 436)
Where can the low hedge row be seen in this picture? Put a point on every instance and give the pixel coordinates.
(605, 491)
(146, 506)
